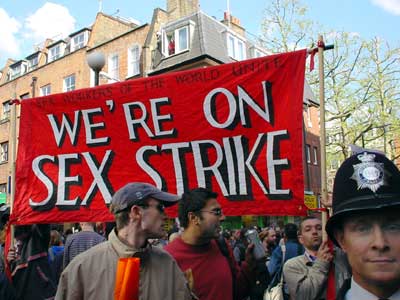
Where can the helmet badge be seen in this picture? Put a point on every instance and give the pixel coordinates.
(368, 174)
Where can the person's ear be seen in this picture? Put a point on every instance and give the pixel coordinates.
(135, 213)
(300, 238)
(193, 218)
(339, 236)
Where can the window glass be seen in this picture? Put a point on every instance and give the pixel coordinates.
(4, 152)
(45, 90)
(69, 83)
(183, 39)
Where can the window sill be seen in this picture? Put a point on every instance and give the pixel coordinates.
(175, 54)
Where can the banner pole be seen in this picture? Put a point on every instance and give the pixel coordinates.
(13, 154)
(324, 191)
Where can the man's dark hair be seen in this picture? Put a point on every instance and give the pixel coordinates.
(306, 219)
(193, 201)
(290, 230)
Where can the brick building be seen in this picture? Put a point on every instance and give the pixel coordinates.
(178, 38)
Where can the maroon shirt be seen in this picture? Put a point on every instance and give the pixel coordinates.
(211, 272)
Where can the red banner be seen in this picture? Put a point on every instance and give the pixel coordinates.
(234, 128)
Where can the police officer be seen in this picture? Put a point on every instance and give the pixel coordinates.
(366, 225)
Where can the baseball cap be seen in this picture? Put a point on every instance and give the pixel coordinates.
(136, 192)
(365, 181)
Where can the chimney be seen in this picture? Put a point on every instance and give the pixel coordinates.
(233, 23)
(177, 9)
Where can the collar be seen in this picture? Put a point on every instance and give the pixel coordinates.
(357, 292)
(124, 251)
(310, 257)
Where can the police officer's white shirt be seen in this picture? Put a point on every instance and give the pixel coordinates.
(356, 292)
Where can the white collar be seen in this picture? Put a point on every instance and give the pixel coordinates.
(357, 292)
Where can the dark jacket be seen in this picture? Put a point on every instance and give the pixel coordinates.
(7, 291)
(343, 290)
(31, 274)
(293, 249)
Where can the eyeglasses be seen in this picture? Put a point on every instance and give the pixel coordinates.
(160, 207)
(216, 212)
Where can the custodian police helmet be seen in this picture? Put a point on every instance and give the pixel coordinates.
(365, 181)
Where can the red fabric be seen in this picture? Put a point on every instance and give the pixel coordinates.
(331, 283)
(7, 246)
(312, 58)
(234, 128)
(211, 272)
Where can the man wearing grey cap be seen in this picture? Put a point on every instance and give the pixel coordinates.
(139, 215)
(366, 225)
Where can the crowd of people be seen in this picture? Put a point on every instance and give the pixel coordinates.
(200, 260)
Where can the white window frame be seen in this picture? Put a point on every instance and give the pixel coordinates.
(134, 62)
(45, 90)
(33, 62)
(113, 70)
(236, 47)
(4, 152)
(308, 154)
(67, 83)
(53, 56)
(18, 70)
(175, 33)
(6, 109)
(315, 151)
(80, 44)
(258, 53)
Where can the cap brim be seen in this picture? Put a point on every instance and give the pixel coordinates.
(167, 199)
(363, 206)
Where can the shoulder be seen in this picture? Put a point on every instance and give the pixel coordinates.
(175, 246)
(160, 254)
(95, 253)
(298, 261)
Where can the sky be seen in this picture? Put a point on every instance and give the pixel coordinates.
(25, 24)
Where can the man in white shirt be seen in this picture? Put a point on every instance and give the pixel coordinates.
(366, 225)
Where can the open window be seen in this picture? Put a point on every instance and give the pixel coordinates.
(175, 41)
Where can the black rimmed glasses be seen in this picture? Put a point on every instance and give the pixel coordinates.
(216, 211)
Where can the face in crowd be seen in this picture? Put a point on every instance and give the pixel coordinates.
(372, 243)
(310, 234)
(210, 219)
(153, 219)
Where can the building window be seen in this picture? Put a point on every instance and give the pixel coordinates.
(176, 41)
(308, 154)
(69, 83)
(315, 155)
(33, 62)
(78, 41)
(24, 96)
(18, 70)
(3, 152)
(3, 188)
(45, 90)
(134, 61)
(257, 53)
(236, 48)
(6, 110)
(55, 52)
(309, 116)
(113, 67)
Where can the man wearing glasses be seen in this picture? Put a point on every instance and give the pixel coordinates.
(216, 275)
(139, 215)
